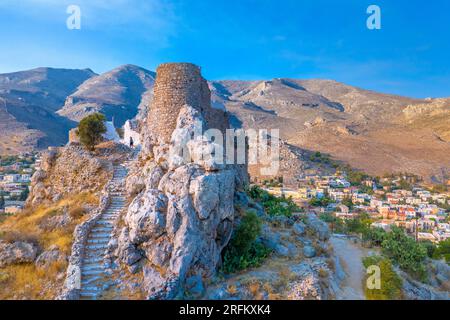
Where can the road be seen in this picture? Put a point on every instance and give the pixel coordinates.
(350, 259)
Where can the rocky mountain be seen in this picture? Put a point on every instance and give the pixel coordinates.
(375, 132)
(28, 102)
(116, 93)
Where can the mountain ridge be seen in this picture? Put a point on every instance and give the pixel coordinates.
(372, 131)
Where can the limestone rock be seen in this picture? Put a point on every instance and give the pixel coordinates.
(318, 226)
(16, 252)
(309, 252)
(299, 228)
(182, 216)
(52, 255)
(126, 251)
(146, 217)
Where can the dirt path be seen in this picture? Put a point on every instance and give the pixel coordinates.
(350, 259)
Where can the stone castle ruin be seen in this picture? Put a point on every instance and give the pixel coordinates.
(182, 214)
(177, 85)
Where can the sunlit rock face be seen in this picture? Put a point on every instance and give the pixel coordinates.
(182, 213)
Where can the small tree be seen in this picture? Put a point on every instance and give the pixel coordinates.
(2, 201)
(90, 130)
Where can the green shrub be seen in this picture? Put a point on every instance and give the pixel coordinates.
(320, 202)
(90, 130)
(405, 252)
(391, 284)
(375, 236)
(443, 251)
(244, 251)
(274, 206)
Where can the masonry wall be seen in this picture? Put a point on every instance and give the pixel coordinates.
(178, 84)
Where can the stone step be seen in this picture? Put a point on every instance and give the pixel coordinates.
(89, 294)
(109, 218)
(91, 289)
(92, 260)
(94, 255)
(92, 266)
(110, 212)
(97, 247)
(99, 235)
(98, 241)
(102, 229)
(104, 223)
(92, 272)
(90, 280)
(116, 206)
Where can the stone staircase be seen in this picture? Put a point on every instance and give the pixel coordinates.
(94, 268)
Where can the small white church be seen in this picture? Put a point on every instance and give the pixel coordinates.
(111, 132)
(130, 133)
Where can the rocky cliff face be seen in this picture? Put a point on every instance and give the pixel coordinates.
(182, 213)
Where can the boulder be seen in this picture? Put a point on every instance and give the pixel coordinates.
(50, 256)
(126, 251)
(16, 253)
(299, 228)
(319, 227)
(146, 216)
(309, 252)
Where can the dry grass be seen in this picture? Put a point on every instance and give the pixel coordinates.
(257, 290)
(26, 281)
(232, 289)
(26, 226)
(323, 273)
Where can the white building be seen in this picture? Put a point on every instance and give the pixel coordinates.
(130, 131)
(11, 178)
(111, 133)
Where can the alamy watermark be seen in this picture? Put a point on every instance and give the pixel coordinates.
(73, 22)
(236, 146)
(374, 20)
(374, 279)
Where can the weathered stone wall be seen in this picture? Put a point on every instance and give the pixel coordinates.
(179, 84)
(66, 171)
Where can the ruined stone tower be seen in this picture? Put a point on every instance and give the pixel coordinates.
(179, 84)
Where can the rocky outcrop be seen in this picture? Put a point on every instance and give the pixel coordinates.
(300, 268)
(65, 171)
(50, 256)
(415, 290)
(16, 253)
(183, 211)
(318, 226)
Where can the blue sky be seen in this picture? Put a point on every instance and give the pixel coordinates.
(240, 39)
